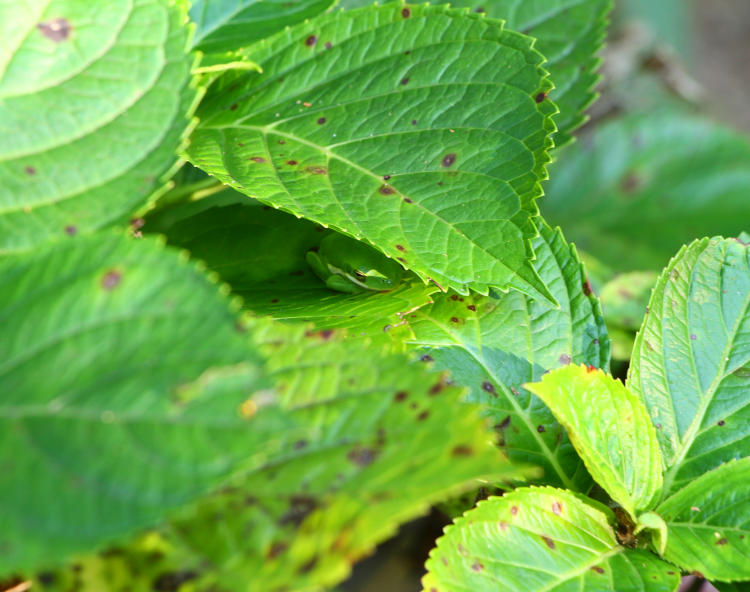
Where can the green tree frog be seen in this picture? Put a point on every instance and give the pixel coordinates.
(348, 265)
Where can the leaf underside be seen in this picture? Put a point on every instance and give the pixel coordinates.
(495, 344)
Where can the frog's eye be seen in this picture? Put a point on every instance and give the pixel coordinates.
(360, 275)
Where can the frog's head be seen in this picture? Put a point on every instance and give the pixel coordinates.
(348, 265)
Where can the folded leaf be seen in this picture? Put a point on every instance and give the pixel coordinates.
(94, 100)
(380, 122)
(642, 186)
(123, 376)
(495, 344)
(540, 539)
(691, 360)
(611, 431)
(223, 25)
(709, 523)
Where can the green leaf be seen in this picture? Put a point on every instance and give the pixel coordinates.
(540, 539)
(625, 298)
(373, 445)
(94, 101)
(495, 344)
(709, 523)
(611, 431)
(260, 253)
(691, 360)
(123, 376)
(223, 25)
(569, 34)
(642, 186)
(383, 141)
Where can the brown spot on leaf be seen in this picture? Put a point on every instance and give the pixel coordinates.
(437, 387)
(276, 549)
(400, 396)
(258, 159)
(476, 566)
(307, 566)
(540, 97)
(56, 30)
(489, 387)
(513, 510)
(321, 120)
(317, 170)
(401, 247)
(540, 429)
(564, 359)
(503, 424)
(557, 508)
(448, 160)
(462, 450)
(405, 81)
(426, 358)
(422, 416)
(328, 45)
(386, 190)
(311, 41)
(300, 506)
(407, 200)
(233, 107)
(71, 230)
(597, 569)
(292, 162)
(111, 280)
(720, 423)
(549, 541)
(630, 183)
(362, 456)
(472, 308)
(29, 170)
(722, 541)
(414, 122)
(405, 12)
(587, 289)
(454, 320)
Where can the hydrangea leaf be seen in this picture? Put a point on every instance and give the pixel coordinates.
(123, 377)
(642, 186)
(495, 344)
(540, 540)
(611, 431)
(82, 79)
(372, 446)
(709, 523)
(691, 360)
(224, 25)
(383, 141)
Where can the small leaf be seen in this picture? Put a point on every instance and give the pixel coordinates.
(223, 25)
(651, 521)
(540, 539)
(495, 344)
(94, 102)
(611, 431)
(709, 523)
(642, 186)
(362, 121)
(691, 360)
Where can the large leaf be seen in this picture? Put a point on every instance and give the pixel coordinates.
(642, 186)
(611, 430)
(260, 253)
(691, 360)
(102, 425)
(223, 25)
(540, 539)
(94, 100)
(419, 129)
(373, 445)
(495, 344)
(709, 523)
(569, 34)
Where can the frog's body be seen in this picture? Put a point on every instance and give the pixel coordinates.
(347, 265)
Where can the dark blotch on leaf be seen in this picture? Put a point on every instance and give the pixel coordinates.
(316, 170)
(386, 190)
(448, 160)
(513, 510)
(540, 97)
(321, 120)
(556, 508)
(422, 416)
(233, 107)
(71, 230)
(276, 549)
(111, 279)
(56, 30)
(405, 12)
(291, 162)
(173, 580)
(549, 541)
(404, 81)
(307, 566)
(476, 566)
(436, 388)
(489, 387)
(720, 423)
(407, 200)
(540, 429)
(401, 247)
(29, 170)
(587, 289)
(630, 182)
(299, 444)
(503, 424)
(386, 177)
(426, 358)
(362, 456)
(455, 320)
(300, 507)
(722, 541)
(328, 45)
(462, 450)
(400, 396)
(598, 569)
(414, 122)
(257, 159)
(311, 40)
(471, 307)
